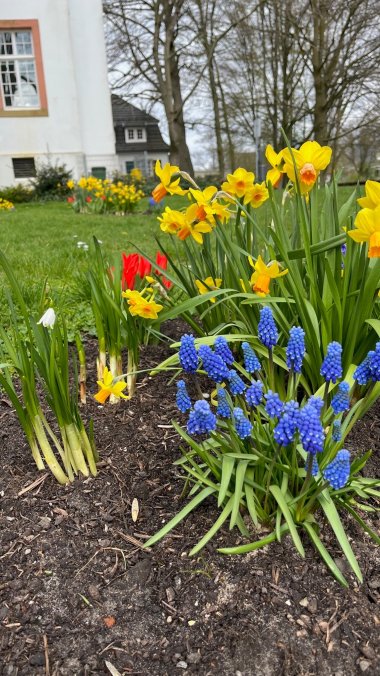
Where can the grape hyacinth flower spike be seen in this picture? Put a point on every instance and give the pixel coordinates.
(222, 349)
(341, 401)
(183, 400)
(274, 406)
(267, 330)
(310, 428)
(242, 425)
(331, 368)
(295, 350)
(363, 372)
(213, 364)
(237, 385)
(188, 356)
(254, 394)
(374, 363)
(251, 362)
(337, 472)
(201, 419)
(223, 410)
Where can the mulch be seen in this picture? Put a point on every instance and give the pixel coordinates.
(77, 591)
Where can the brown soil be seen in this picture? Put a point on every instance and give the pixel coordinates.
(77, 591)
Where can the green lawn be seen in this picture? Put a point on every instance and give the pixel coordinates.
(40, 241)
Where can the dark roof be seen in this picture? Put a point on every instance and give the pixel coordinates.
(128, 115)
(125, 115)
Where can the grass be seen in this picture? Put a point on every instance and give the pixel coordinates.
(40, 241)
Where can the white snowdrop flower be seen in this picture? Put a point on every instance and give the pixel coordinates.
(48, 318)
(85, 247)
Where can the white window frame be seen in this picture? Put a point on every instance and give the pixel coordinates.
(18, 59)
(134, 135)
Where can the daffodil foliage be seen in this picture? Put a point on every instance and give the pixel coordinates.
(284, 239)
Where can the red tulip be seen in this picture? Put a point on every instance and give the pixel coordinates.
(145, 267)
(88, 198)
(70, 200)
(130, 269)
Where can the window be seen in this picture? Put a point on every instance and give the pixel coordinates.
(129, 166)
(135, 135)
(22, 87)
(24, 167)
(98, 172)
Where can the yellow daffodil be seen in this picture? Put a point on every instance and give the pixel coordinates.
(167, 184)
(310, 159)
(263, 275)
(367, 225)
(256, 195)
(108, 387)
(239, 183)
(147, 309)
(192, 226)
(171, 221)
(208, 207)
(208, 284)
(276, 161)
(70, 184)
(372, 195)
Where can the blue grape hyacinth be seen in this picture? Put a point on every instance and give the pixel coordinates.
(374, 363)
(274, 406)
(337, 472)
(310, 429)
(201, 419)
(214, 365)
(331, 368)
(188, 356)
(222, 349)
(183, 400)
(251, 362)
(341, 401)
(336, 431)
(317, 402)
(295, 350)
(254, 393)
(237, 385)
(363, 372)
(223, 409)
(314, 466)
(243, 426)
(267, 329)
(286, 428)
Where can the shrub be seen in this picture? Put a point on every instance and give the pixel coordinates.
(17, 194)
(51, 181)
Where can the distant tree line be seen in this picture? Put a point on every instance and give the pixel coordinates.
(309, 67)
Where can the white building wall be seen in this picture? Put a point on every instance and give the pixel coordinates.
(78, 129)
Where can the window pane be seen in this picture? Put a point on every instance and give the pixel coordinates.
(6, 43)
(26, 95)
(8, 81)
(129, 166)
(130, 133)
(139, 133)
(23, 43)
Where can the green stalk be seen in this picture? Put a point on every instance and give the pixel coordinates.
(131, 372)
(47, 452)
(82, 368)
(36, 452)
(88, 451)
(74, 441)
(113, 370)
